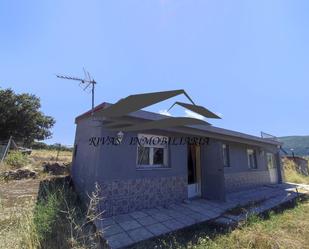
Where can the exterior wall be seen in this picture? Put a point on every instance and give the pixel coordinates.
(239, 176)
(123, 196)
(242, 180)
(124, 187)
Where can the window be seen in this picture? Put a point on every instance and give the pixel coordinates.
(270, 161)
(152, 151)
(251, 154)
(226, 155)
(143, 155)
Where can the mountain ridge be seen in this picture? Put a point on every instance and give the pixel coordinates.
(298, 144)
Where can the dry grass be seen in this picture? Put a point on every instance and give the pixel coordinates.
(55, 220)
(291, 175)
(51, 156)
(15, 226)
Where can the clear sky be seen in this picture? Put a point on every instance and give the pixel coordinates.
(247, 60)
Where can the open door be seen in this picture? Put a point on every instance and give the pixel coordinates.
(194, 171)
(272, 168)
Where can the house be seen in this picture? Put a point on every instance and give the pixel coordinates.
(156, 167)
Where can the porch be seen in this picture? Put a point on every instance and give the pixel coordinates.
(124, 230)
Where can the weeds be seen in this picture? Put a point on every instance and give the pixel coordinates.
(59, 220)
(70, 222)
(16, 159)
(291, 174)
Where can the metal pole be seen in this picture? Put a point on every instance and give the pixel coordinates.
(92, 97)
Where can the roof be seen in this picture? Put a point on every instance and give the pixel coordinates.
(207, 130)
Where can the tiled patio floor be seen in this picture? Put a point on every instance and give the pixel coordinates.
(124, 230)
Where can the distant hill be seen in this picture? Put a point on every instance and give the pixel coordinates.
(300, 144)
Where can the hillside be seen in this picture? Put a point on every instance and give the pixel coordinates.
(300, 144)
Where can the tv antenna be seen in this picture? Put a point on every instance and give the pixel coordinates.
(84, 83)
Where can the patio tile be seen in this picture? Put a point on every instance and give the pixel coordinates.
(186, 220)
(214, 215)
(138, 214)
(187, 211)
(123, 218)
(215, 212)
(129, 225)
(148, 220)
(161, 217)
(197, 209)
(111, 230)
(199, 217)
(175, 214)
(152, 211)
(123, 230)
(119, 240)
(140, 234)
(157, 229)
(173, 224)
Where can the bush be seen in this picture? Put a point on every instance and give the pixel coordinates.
(46, 215)
(60, 220)
(16, 159)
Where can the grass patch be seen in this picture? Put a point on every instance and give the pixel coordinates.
(289, 229)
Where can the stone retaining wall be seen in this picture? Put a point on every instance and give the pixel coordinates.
(248, 179)
(123, 196)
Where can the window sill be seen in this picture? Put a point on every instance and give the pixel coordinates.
(152, 168)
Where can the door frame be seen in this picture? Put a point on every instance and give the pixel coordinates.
(195, 189)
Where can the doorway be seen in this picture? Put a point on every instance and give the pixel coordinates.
(194, 171)
(272, 168)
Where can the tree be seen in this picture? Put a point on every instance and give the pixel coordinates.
(20, 117)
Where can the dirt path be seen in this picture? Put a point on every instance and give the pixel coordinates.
(15, 194)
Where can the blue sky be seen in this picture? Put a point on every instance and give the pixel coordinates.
(247, 60)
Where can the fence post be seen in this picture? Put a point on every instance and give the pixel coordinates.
(6, 149)
(58, 151)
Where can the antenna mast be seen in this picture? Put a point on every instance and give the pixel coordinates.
(88, 80)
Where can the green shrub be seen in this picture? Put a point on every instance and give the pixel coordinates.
(16, 159)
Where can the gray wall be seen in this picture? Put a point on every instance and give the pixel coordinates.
(124, 187)
(239, 176)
